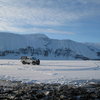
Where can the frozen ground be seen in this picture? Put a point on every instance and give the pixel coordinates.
(49, 71)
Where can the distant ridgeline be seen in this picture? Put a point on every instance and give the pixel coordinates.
(58, 53)
(39, 45)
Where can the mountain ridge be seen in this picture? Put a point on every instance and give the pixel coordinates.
(45, 46)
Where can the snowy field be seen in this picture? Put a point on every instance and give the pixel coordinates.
(49, 71)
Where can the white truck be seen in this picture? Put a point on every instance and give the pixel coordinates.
(30, 60)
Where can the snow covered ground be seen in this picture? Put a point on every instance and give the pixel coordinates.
(50, 71)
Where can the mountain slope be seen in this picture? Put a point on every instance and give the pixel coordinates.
(94, 45)
(41, 45)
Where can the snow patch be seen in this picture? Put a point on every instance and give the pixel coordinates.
(49, 71)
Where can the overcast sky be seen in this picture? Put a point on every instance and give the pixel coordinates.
(78, 20)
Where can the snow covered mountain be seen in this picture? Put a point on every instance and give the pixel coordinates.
(95, 45)
(42, 46)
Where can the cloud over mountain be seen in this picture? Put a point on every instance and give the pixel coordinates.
(27, 15)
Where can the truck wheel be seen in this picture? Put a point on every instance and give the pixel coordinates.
(33, 63)
(38, 62)
(23, 62)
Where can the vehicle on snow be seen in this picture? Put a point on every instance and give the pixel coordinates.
(30, 60)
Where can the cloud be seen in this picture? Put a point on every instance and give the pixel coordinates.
(89, 1)
(48, 30)
(15, 14)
